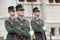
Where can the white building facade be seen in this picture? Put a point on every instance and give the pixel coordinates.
(49, 10)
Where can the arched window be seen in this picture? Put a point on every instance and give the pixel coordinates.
(31, 0)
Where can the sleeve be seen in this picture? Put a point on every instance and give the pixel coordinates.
(28, 26)
(42, 25)
(27, 29)
(8, 27)
(18, 29)
(35, 27)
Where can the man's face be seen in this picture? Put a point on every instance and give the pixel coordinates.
(37, 14)
(20, 13)
(12, 13)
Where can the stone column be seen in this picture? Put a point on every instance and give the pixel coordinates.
(53, 1)
(25, 1)
(43, 9)
(46, 1)
(57, 30)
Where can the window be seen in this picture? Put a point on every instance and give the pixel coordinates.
(31, 0)
(28, 0)
(53, 31)
(50, 1)
(59, 31)
(21, 0)
(57, 1)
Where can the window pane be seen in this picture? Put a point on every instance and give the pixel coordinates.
(50, 1)
(21, 0)
(31, 0)
(53, 31)
(57, 1)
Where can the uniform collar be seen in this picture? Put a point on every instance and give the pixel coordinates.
(20, 20)
(35, 19)
(10, 18)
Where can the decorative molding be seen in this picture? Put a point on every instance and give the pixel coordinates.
(25, 2)
(53, 4)
(54, 22)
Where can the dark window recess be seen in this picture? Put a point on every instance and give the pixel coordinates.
(31, 0)
(59, 31)
(57, 1)
(53, 31)
(50, 1)
(21, 0)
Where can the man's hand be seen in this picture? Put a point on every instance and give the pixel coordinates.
(44, 28)
(31, 33)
